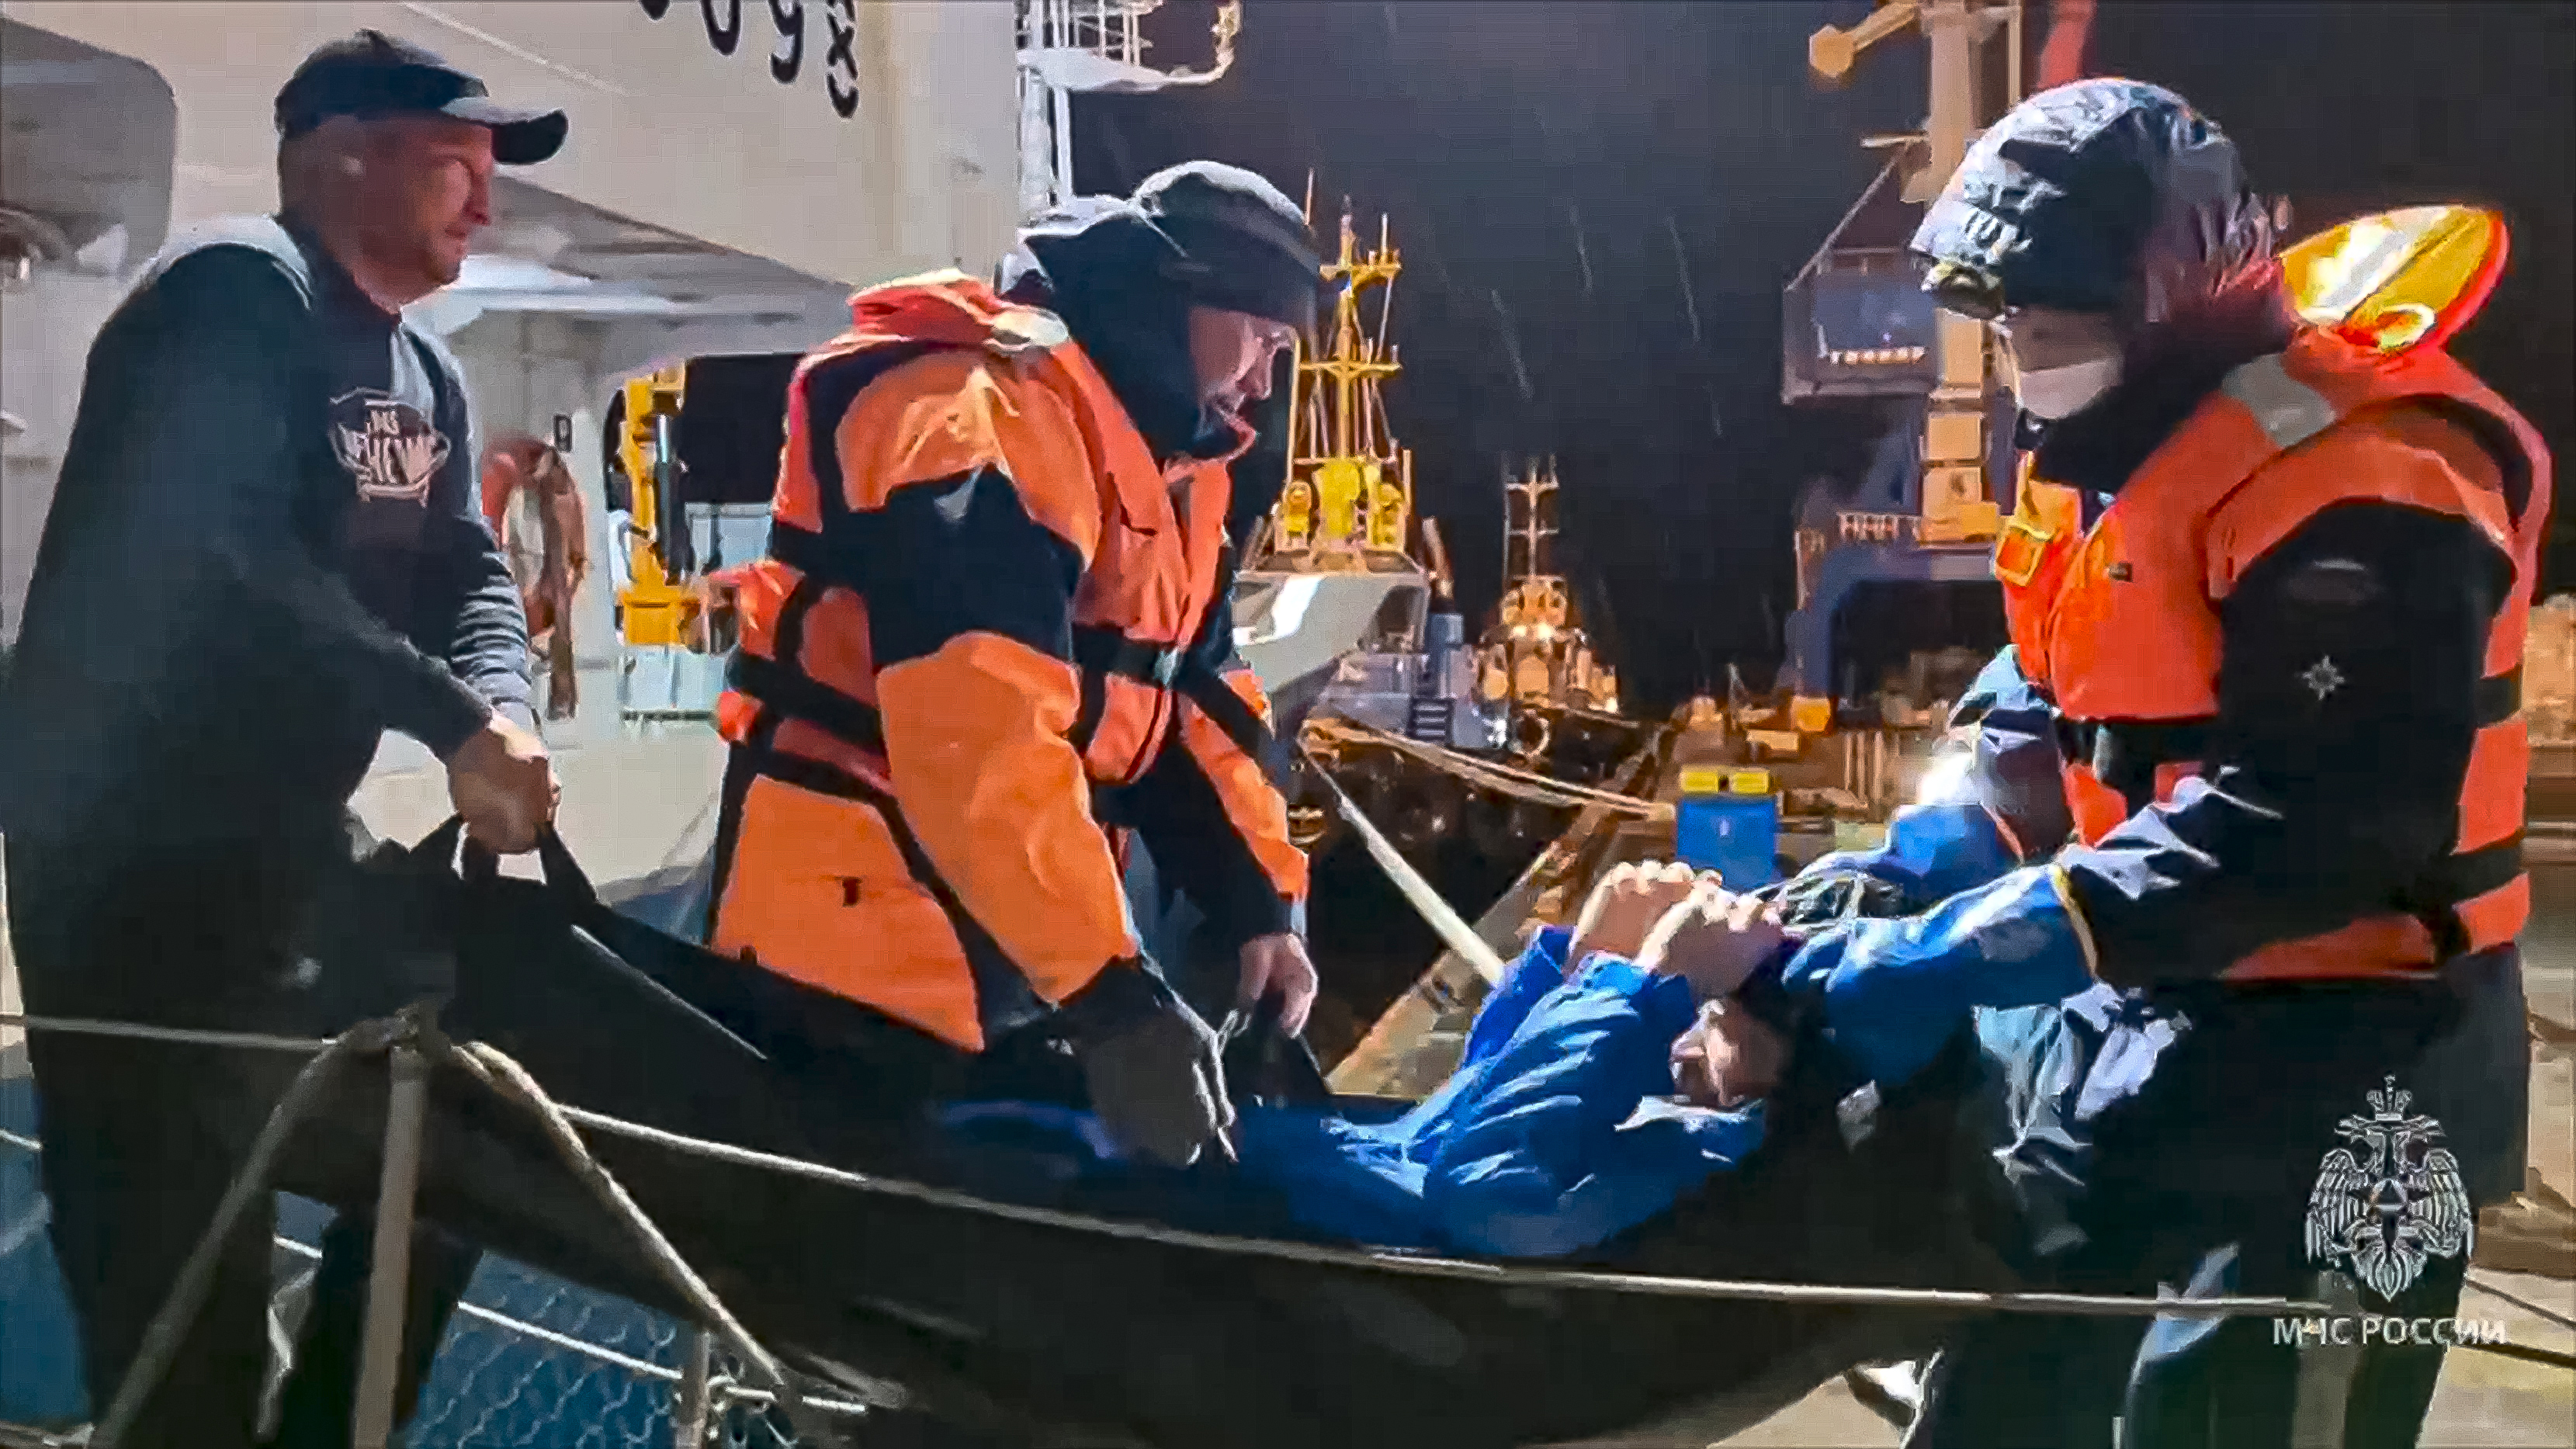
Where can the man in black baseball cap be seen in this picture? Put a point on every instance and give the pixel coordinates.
(265, 551)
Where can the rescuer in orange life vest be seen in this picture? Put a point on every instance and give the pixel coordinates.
(2242, 841)
(993, 635)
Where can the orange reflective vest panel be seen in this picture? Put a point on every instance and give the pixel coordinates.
(972, 619)
(2119, 623)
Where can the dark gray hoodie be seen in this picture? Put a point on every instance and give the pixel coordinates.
(265, 550)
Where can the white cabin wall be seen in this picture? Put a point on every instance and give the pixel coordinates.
(962, 77)
(665, 128)
(631, 348)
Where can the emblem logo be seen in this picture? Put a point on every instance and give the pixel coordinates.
(2392, 1200)
(387, 446)
(2322, 678)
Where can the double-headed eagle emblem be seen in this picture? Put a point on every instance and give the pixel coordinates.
(2382, 1212)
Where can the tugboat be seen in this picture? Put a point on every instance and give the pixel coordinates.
(1537, 660)
(1345, 520)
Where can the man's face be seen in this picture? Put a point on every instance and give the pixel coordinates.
(1234, 354)
(2062, 361)
(427, 190)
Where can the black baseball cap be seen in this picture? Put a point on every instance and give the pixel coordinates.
(372, 74)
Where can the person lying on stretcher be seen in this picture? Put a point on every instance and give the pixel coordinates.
(1612, 1072)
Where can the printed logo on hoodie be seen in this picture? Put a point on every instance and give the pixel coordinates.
(390, 450)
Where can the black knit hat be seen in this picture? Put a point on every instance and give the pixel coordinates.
(373, 74)
(1244, 245)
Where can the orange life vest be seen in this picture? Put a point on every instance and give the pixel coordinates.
(2119, 623)
(970, 955)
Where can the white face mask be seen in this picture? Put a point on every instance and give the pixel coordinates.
(2061, 392)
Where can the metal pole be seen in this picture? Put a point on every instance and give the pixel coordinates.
(692, 1409)
(371, 1425)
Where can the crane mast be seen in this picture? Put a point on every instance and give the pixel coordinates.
(1348, 503)
(1959, 502)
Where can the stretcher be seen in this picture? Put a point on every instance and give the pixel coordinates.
(1027, 1307)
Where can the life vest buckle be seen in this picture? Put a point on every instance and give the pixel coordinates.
(1167, 666)
(2019, 549)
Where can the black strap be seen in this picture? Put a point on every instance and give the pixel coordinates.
(1102, 652)
(1228, 711)
(1098, 652)
(788, 692)
(803, 550)
(1111, 652)
(2470, 874)
(2499, 698)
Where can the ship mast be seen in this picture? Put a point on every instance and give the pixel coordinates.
(1538, 654)
(1530, 507)
(1348, 503)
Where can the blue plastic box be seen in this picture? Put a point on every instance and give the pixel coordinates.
(1738, 836)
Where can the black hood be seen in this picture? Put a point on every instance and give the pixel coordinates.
(1103, 266)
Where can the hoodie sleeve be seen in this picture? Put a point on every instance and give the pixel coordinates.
(1573, 1137)
(214, 454)
(471, 614)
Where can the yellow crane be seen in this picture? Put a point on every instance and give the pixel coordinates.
(661, 603)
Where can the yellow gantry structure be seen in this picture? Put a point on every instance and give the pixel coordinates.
(655, 607)
(1348, 503)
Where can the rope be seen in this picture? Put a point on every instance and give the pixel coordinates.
(640, 1367)
(1500, 779)
(1501, 1275)
(183, 1035)
(2525, 1304)
(484, 1064)
(723, 1388)
(1508, 780)
(511, 1081)
(507, 1078)
(2524, 1352)
(196, 1278)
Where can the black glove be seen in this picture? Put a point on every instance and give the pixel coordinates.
(1808, 902)
(1151, 1065)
